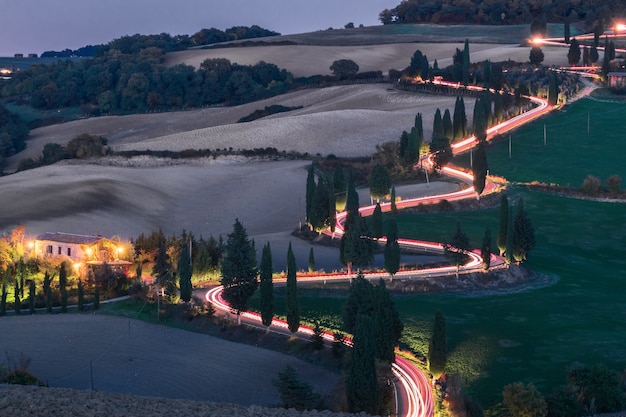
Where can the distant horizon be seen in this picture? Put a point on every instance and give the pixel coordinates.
(34, 27)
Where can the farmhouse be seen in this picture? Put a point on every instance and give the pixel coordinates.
(87, 249)
(617, 79)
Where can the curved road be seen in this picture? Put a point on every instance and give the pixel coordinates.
(414, 396)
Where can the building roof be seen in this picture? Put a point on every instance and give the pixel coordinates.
(70, 238)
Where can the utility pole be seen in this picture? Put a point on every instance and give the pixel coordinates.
(545, 134)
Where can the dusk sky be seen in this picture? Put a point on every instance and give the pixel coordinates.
(35, 26)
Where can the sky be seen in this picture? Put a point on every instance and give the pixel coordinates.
(35, 26)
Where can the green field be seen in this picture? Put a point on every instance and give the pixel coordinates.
(575, 310)
(570, 154)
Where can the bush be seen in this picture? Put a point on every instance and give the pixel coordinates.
(295, 393)
(591, 185)
(613, 185)
(21, 377)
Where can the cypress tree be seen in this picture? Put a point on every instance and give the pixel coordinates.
(362, 381)
(162, 268)
(425, 72)
(463, 117)
(360, 300)
(586, 58)
(404, 145)
(455, 250)
(392, 248)
(479, 168)
(487, 73)
(593, 54)
(394, 208)
(3, 300)
(553, 89)
(498, 107)
(566, 31)
(524, 234)
(47, 291)
(17, 302)
(457, 125)
(437, 355)
(466, 63)
(510, 238)
(81, 295)
(267, 286)
(352, 202)
(503, 224)
(413, 149)
(377, 222)
(485, 249)
(442, 150)
(31, 296)
(332, 207)
(293, 306)
(387, 324)
(96, 299)
(311, 260)
(480, 121)
(319, 216)
(239, 272)
(310, 191)
(447, 124)
(185, 270)
(340, 186)
(63, 287)
(438, 125)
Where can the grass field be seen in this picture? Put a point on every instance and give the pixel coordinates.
(575, 311)
(570, 153)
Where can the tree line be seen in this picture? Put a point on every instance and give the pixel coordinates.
(502, 12)
(134, 43)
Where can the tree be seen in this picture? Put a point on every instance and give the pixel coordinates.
(415, 67)
(361, 382)
(597, 388)
(317, 338)
(96, 299)
(310, 191)
(566, 31)
(485, 249)
(184, 269)
(47, 291)
(387, 324)
(524, 400)
(447, 124)
(340, 187)
(81, 295)
(437, 355)
(359, 301)
(479, 168)
(311, 260)
(17, 301)
(536, 56)
(456, 250)
(510, 236)
(539, 26)
(31, 296)
(377, 222)
(358, 248)
(562, 402)
(352, 200)
(162, 268)
(394, 208)
(586, 58)
(344, 69)
(573, 54)
(459, 119)
(466, 63)
(503, 224)
(293, 305)
(239, 272)
(523, 234)
(438, 130)
(63, 287)
(442, 150)
(553, 89)
(321, 207)
(392, 249)
(380, 182)
(613, 185)
(266, 286)
(412, 152)
(295, 393)
(593, 54)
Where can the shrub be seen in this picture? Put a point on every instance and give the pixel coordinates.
(613, 185)
(591, 185)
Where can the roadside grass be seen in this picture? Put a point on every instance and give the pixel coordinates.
(30, 114)
(571, 154)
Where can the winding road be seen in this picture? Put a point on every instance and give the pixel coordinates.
(414, 397)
